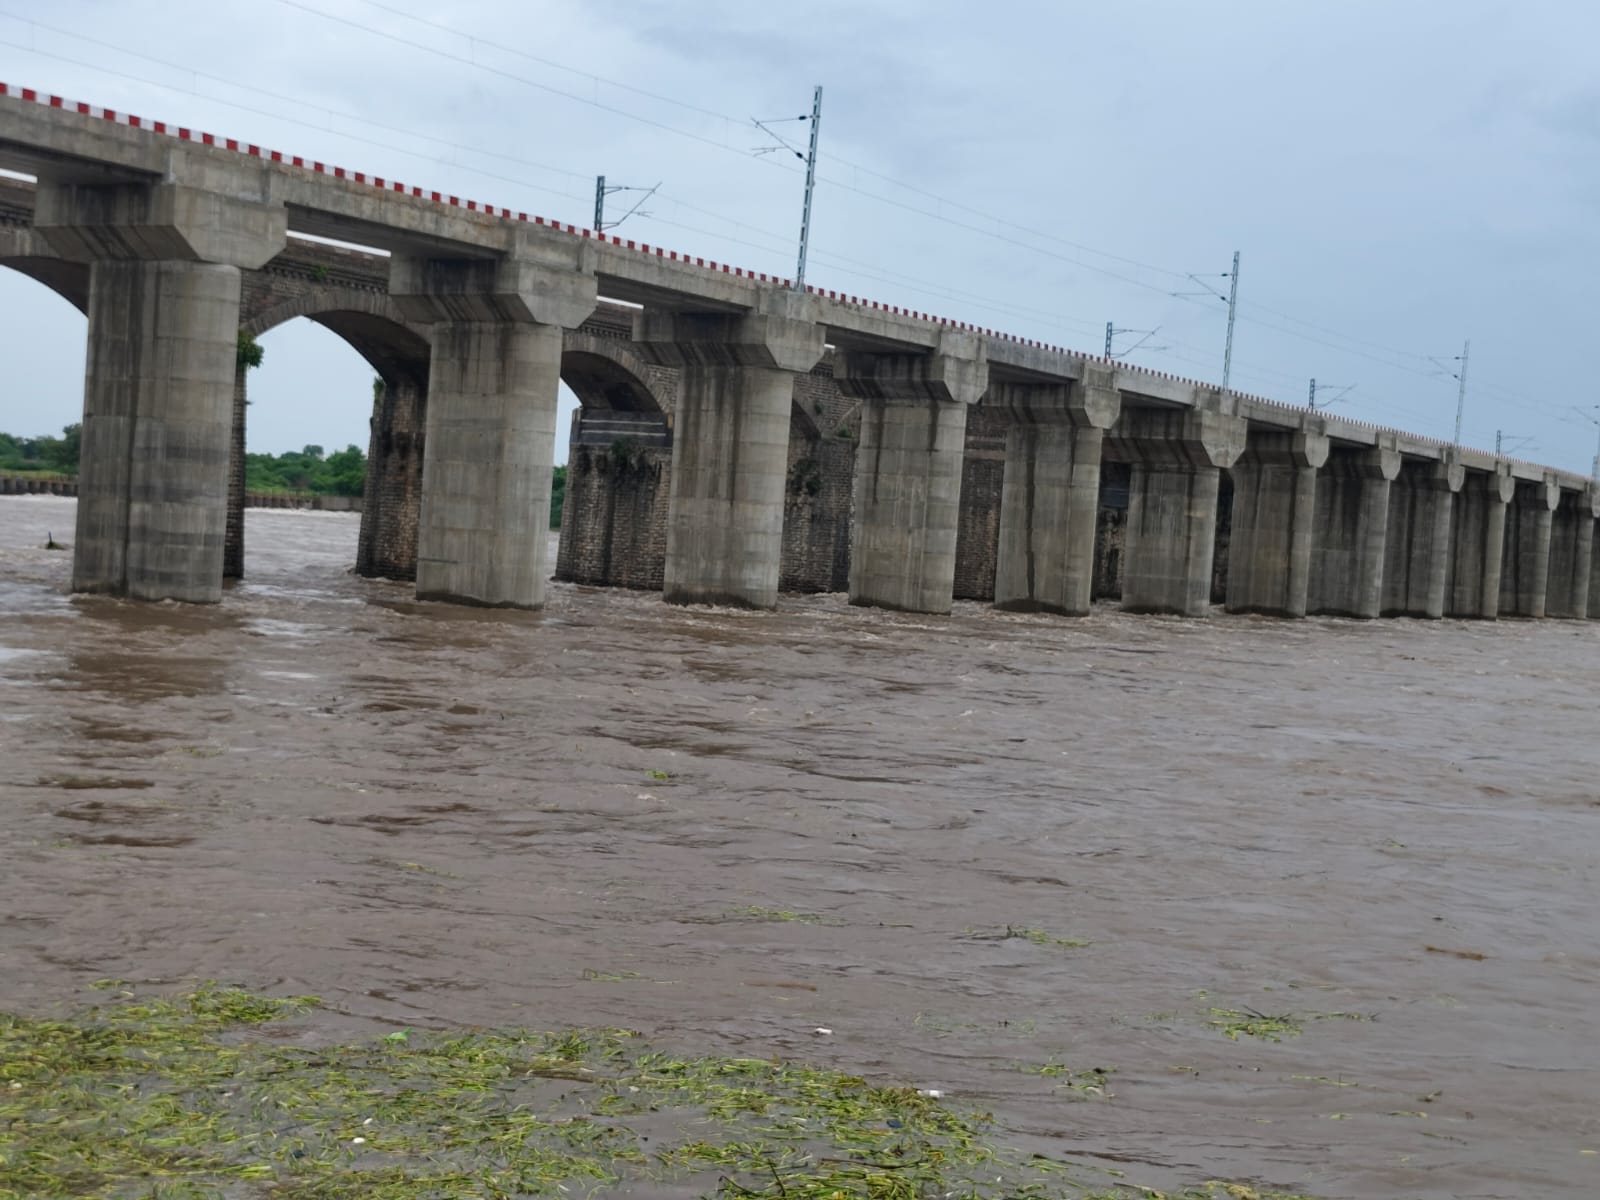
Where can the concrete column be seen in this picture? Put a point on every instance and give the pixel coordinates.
(1274, 499)
(1352, 523)
(1050, 493)
(908, 469)
(1525, 566)
(1571, 555)
(164, 263)
(1416, 568)
(1581, 601)
(730, 443)
(1478, 545)
(494, 370)
(157, 425)
(1177, 457)
(486, 463)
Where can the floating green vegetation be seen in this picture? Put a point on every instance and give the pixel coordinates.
(1247, 1022)
(177, 1099)
(755, 912)
(1039, 937)
(1090, 1084)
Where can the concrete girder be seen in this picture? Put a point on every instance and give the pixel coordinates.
(158, 222)
(525, 285)
(1208, 436)
(781, 334)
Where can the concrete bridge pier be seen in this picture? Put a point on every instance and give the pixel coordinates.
(1351, 536)
(1050, 493)
(1478, 544)
(164, 293)
(1416, 567)
(391, 502)
(1572, 535)
(730, 452)
(493, 376)
(1274, 502)
(1525, 565)
(908, 469)
(1177, 457)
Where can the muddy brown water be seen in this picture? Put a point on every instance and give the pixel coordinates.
(434, 817)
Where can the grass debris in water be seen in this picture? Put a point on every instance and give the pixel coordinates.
(189, 1097)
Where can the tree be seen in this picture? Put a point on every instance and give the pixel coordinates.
(62, 453)
(250, 353)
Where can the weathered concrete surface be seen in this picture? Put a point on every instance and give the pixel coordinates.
(491, 426)
(1525, 564)
(1274, 499)
(1050, 492)
(1351, 532)
(157, 420)
(495, 368)
(1572, 535)
(730, 445)
(1176, 458)
(908, 470)
(164, 278)
(1478, 544)
(1416, 569)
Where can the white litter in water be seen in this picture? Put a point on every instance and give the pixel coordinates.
(931, 1093)
(358, 1141)
(822, 1031)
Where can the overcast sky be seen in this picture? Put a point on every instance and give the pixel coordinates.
(1398, 176)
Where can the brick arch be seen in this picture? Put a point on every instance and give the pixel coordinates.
(607, 373)
(397, 349)
(24, 251)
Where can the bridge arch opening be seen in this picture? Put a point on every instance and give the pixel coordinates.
(617, 483)
(43, 345)
(365, 412)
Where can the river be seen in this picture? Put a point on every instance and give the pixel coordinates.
(731, 829)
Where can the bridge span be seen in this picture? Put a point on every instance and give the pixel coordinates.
(746, 395)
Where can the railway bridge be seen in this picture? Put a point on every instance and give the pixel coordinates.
(743, 435)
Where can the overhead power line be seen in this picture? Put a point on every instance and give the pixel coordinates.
(1388, 361)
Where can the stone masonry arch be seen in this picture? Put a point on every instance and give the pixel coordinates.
(369, 321)
(346, 292)
(25, 252)
(619, 458)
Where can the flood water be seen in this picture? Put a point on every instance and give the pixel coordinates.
(614, 811)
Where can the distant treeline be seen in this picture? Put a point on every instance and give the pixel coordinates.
(52, 455)
(309, 469)
(343, 473)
